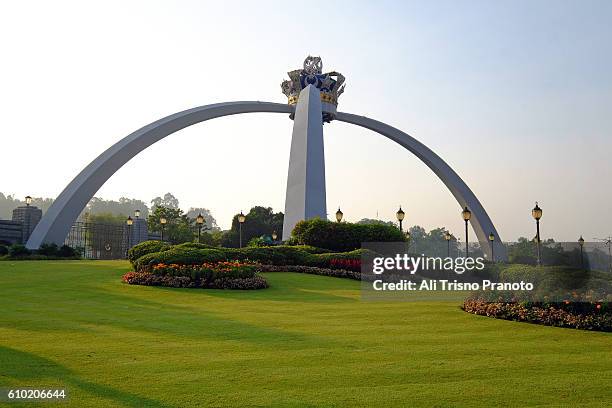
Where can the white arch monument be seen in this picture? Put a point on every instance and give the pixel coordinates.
(312, 99)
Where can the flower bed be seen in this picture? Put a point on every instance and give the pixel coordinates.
(581, 315)
(313, 270)
(219, 275)
(347, 264)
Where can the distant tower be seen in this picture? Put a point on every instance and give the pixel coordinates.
(315, 97)
(28, 216)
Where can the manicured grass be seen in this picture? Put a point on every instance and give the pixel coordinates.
(307, 341)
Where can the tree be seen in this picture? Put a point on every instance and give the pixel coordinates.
(8, 203)
(371, 221)
(179, 227)
(433, 243)
(209, 220)
(124, 207)
(168, 201)
(259, 221)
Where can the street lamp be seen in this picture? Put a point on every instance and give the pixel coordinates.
(137, 214)
(400, 214)
(199, 221)
(163, 221)
(339, 215)
(129, 223)
(447, 237)
(241, 220)
(408, 236)
(581, 243)
(274, 236)
(466, 214)
(491, 240)
(28, 201)
(537, 214)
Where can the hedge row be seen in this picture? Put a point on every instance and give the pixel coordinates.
(45, 252)
(190, 254)
(343, 236)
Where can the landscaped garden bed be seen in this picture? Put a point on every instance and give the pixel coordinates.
(585, 316)
(564, 297)
(219, 275)
(193, 265)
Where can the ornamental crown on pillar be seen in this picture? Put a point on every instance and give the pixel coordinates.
(331, 85)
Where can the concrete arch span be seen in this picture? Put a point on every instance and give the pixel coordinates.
(57, 221)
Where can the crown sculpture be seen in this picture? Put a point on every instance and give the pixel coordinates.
(331, 85)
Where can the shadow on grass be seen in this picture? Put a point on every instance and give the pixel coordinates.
(26, 367)
(284, 287)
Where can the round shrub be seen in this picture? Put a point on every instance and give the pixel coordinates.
(343, 236)
(144, 248)
(3, 250)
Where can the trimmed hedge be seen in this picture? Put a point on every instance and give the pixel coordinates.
(144, 248)
(275, 255)
(343, 236)
(181, 256)
(195, 245)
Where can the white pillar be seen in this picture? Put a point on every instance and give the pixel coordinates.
(305, 197)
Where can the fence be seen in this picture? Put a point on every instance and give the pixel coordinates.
(99, 241)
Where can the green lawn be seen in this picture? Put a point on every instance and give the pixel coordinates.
(307, 341)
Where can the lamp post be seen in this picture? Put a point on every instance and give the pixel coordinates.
(447, 237)
(163, 221)
(581, 243)
(492, 240)
(274, 236)
(339, 215)
(199, 221)
(137, 214)
(466, 214)
(129, 222)
(28, 201)
(241, 220)
(400, 214)
(536, 213)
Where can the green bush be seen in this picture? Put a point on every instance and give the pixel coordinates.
(144, 248)
(17, 250)
(276, 255)
(3, 250)
(312, 249)
(343, 236)
(48, 250)
(195, 245)
(183, 256)
(259, 242)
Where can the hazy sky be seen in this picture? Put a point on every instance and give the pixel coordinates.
(515, 95)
